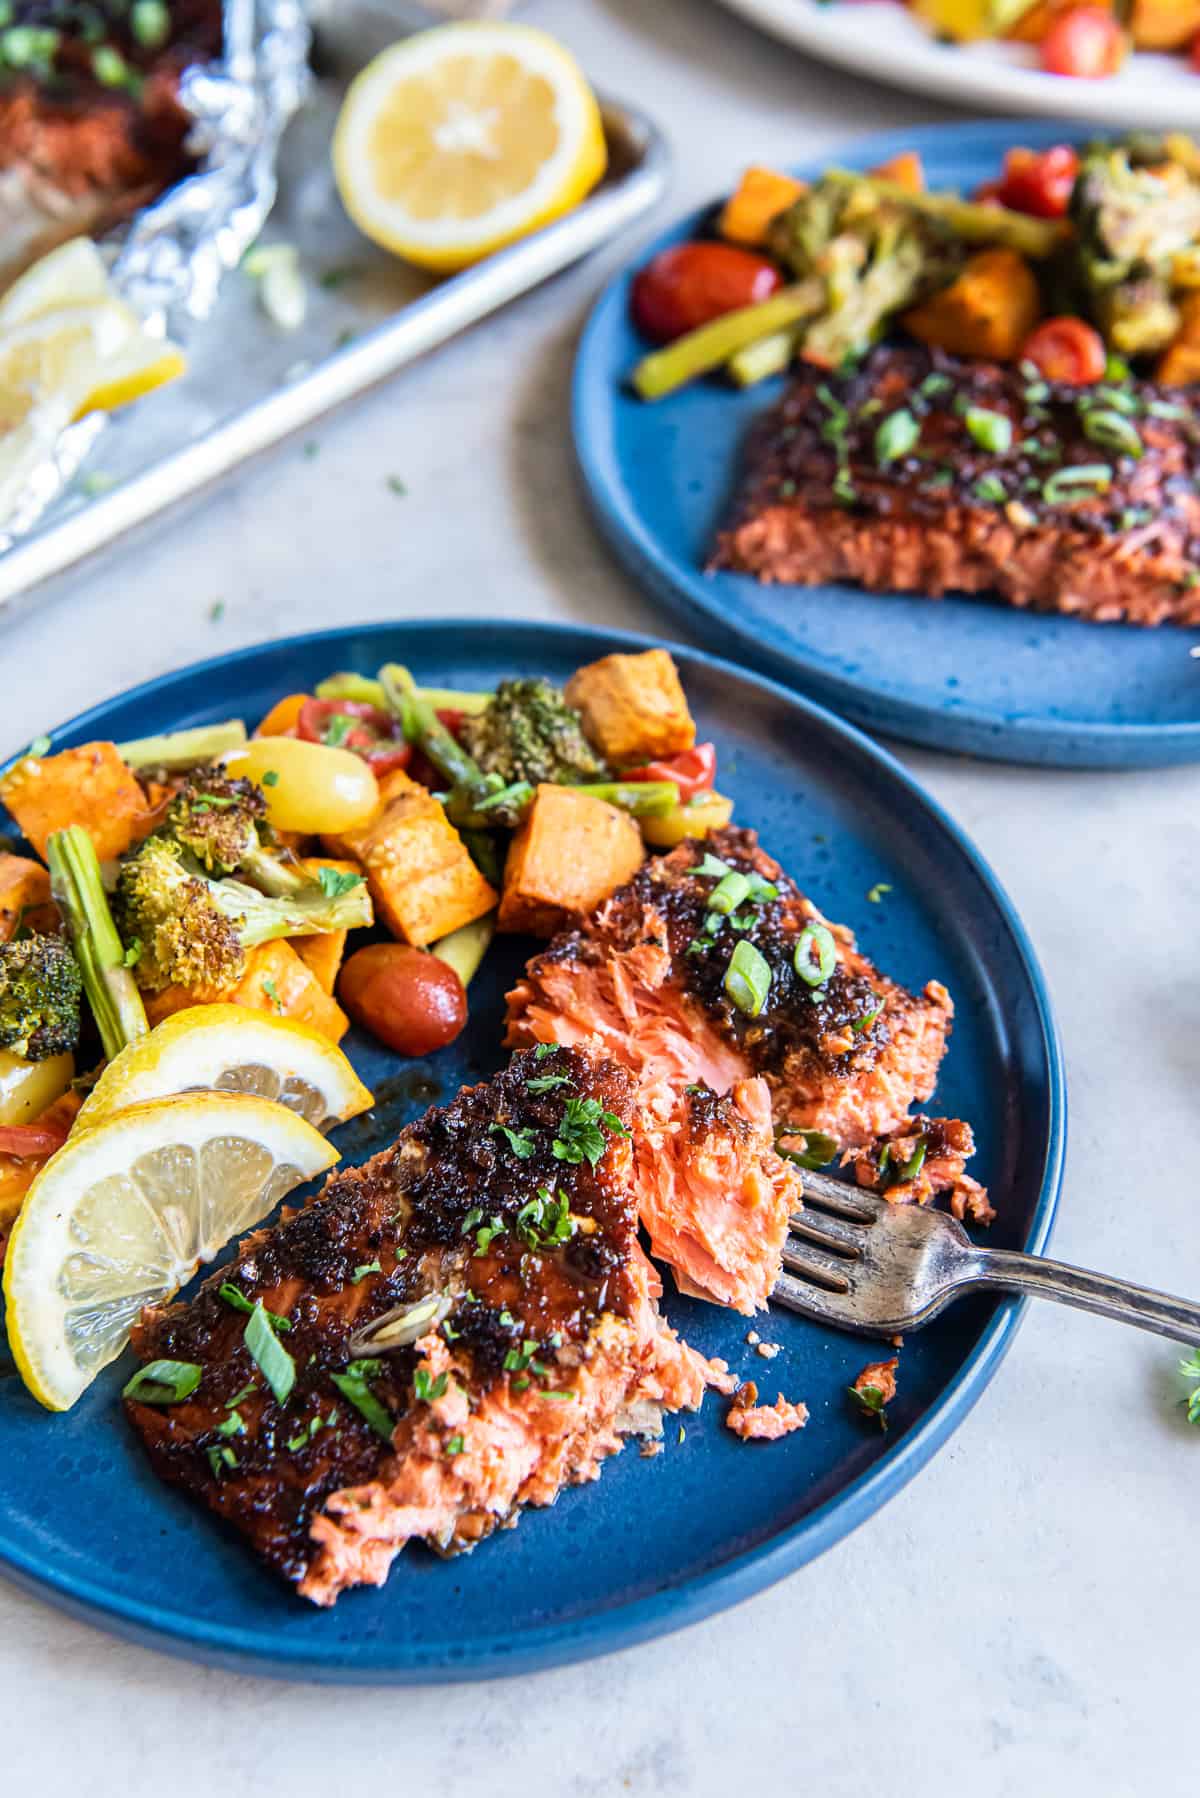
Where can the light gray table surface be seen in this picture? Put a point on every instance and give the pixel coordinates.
(1020, 1620)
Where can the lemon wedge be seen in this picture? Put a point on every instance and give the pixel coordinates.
(145, 363)
(71, 275)
(123, 1215)
(226, 1048)
(459, 140)
(56, 355)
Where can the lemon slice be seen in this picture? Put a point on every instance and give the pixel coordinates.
(461, 139)
(145, 363)
(226, 1048)
(51, 361)
(123, 1215)
(72, 275)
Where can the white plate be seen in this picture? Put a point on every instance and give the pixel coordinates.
(885, 42)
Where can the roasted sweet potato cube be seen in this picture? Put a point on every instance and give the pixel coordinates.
(571, 852)
(90, 786)
(24, 896)
(421, 876)
(277, 981)
(1179, 365)
(633, 707)
(323, 954)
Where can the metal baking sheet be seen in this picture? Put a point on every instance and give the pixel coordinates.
(368, 315)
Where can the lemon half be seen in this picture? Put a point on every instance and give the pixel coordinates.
(228, 1048)
(123, 1215)
(461, 139)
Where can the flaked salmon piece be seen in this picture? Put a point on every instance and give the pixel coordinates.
(499, 1236)
(713, 1194)
(644, 978)
(921, 1159)
(763, 1423)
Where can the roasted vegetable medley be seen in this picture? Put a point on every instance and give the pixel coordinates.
(1081, 262)
(211, 867)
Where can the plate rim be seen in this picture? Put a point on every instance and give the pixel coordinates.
(929, 69)
(977, 730)
(750, 1570)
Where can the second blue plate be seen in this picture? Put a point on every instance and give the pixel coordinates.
(968, 675)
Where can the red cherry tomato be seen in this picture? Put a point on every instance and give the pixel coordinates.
(1065, 349)
(1087, 42)
(691, 283)
(350, 724)
(692, 770)
(406, 997)
(1040, 182)
(31, 1141)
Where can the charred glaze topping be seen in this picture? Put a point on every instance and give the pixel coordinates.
(840, 1024)
(912, 432)
(453, 1207)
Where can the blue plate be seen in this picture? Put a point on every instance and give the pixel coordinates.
(969, 675)
(654, 1544)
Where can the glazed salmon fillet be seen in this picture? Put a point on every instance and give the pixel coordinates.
(468, 1325)
(643, 980)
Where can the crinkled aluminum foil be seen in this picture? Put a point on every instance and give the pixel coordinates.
(173, 254)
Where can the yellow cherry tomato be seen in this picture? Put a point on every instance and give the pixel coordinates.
(706, 812)
(308, 786)
(28, 1087)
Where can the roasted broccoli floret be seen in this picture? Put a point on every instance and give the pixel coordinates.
(1132, 222)
(40, 990)
(875, 255)
(220, 822)
(530, 733)
(194, 932)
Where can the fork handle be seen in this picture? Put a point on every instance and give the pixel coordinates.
(1119, 1299)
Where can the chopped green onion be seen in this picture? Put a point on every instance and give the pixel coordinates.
(815, 957)
(353, 1385)
(992, 431)
(363, 1269)
(428, 1389)
(712, 867)
(234, 1296)
(990, 489)
(455, 1445)
(1065, 483)
(269, 1355)
(728, 893)
(868, 1018)
(163, 1382)
(748, 978)
(232, 1425)
(220, 1457)
(1111, 431)
(150, 23)
(818, 1151)
(915, 1162)
(896, 436)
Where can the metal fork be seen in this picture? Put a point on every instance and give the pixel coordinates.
(859, 1263)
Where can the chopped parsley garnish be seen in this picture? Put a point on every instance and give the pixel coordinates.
(304, 1436)
(233, 1425)
(270, 778)
(363, 1269)
(220, 1458)
(163, 1382)
(235, 1297)
(239, 1398)
(269, 1355)
(272, 991)
(353, 1386)
(870, 1400)
(518, 1359)
(485, 1235)
(1190, 1369)
(455, 1445)
(992, 431)
(990, 489)
(581, 1133)
(428, 1389)
(896, 436)
(334, 882)
(519, 1141)
(546, 1083)
(543, 1049)
(546, 1221)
